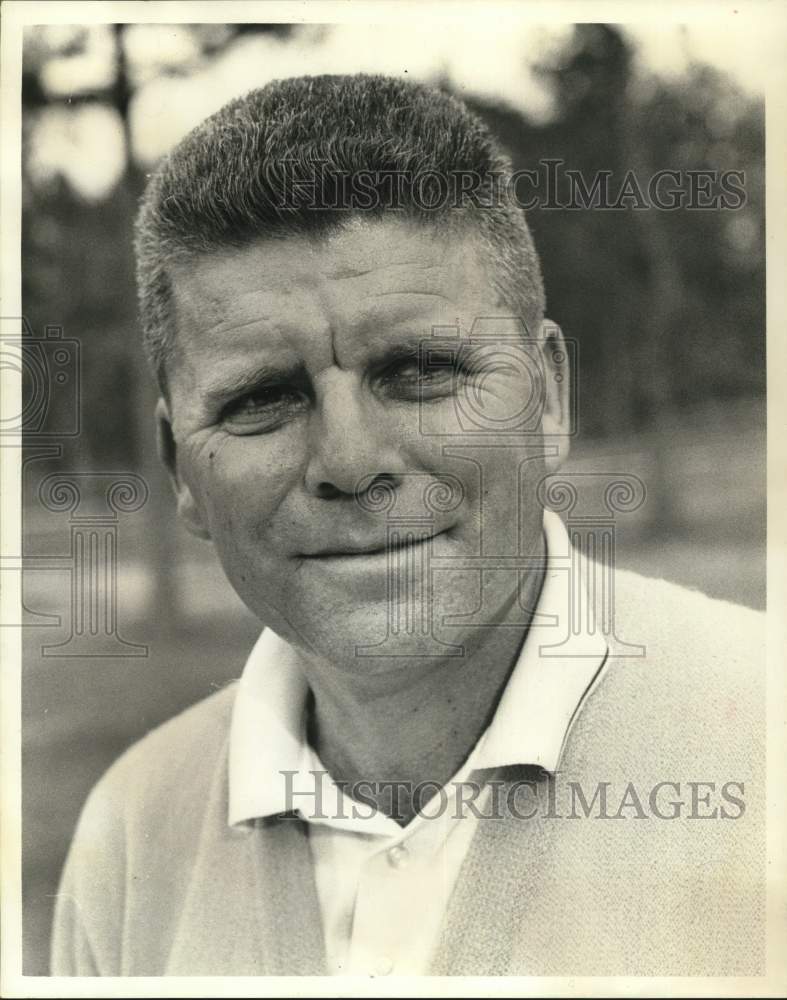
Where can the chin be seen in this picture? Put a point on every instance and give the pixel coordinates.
(375, 639)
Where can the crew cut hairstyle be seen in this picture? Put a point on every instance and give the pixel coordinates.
(301, 156)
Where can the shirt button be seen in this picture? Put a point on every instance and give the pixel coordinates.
(384, 966)
(398, 856)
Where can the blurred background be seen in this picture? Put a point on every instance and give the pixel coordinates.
(667, 308)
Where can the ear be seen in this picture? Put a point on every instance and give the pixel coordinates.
(188, 510)
(556, 419)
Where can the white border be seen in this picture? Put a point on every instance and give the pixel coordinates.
(15, 14)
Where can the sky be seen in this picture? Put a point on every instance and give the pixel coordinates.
(484, 57)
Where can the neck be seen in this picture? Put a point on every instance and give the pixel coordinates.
(415, 723)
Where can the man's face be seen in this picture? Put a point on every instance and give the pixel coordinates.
(306, 430)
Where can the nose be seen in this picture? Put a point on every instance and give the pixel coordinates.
(349, 448)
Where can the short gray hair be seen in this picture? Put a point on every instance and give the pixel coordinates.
(303, 155)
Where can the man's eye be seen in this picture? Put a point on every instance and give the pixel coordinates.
(414, 379)
(264, 410)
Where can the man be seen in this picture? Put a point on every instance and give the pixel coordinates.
(453, 749)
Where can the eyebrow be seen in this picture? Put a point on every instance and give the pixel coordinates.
(238, 384)
(254, 378)
(401, 349)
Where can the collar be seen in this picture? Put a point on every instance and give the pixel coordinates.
(544, 694)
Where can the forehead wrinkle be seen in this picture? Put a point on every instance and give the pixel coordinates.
(422, 281)
(385, 300)
(436, 295)
(367, 321)
(343, 272)
(380, 324)
(229, 326)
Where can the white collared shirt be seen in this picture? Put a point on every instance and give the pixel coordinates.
(384, 889)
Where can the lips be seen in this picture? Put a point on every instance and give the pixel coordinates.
(369, 549)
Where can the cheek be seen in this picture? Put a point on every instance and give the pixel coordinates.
(510, 402)
(240, 482)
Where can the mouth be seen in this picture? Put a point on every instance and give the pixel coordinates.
(352, 552)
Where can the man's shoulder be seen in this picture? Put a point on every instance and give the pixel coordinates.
(174, 762)
(668, 615)
(684, 679)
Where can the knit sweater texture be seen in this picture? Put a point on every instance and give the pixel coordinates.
(157, 882)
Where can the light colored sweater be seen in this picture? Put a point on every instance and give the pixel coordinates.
(157, 883)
